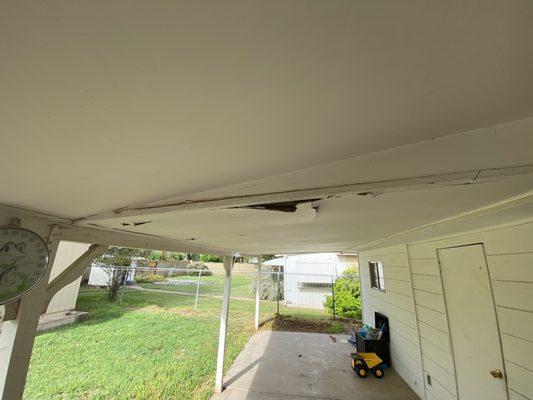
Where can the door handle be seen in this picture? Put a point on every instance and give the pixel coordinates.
(497, 374)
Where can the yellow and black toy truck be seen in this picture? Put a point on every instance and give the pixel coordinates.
(365, 363)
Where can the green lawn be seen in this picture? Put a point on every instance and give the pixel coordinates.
(241, 286)
(151, 346)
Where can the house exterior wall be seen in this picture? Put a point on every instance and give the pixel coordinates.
(509, 253)
(397, 303)
(314, 268)
(65, 299)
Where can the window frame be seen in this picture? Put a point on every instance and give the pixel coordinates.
(377, 275)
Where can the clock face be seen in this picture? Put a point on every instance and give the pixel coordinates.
(23, 262)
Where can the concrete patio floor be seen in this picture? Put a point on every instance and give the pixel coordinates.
(291, 365)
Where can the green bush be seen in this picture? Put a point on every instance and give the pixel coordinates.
(347, 292)
(156, 255)
(210, 258)
(194, 267)
(150, 278)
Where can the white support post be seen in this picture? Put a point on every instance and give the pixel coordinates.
(228, 265)
(18, 335)
(197, 289)
(257, 290)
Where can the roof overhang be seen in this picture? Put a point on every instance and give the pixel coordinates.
(264, 127)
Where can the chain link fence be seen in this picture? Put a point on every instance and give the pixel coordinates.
(279, 293)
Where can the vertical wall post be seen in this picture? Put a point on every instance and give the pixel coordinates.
(257, 290)
(18, 335)
(228, 265)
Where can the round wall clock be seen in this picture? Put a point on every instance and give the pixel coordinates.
(23, 262)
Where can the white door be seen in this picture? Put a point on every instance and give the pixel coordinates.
(474, 330)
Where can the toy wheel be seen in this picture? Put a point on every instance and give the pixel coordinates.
(378, 372)
(353, 364)
(361, 372)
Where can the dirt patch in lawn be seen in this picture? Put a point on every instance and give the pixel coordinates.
(311, 325)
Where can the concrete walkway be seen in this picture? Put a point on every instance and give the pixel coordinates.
(305, 366)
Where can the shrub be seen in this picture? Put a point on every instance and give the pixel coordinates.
(347, 292)
(210, 258)
(270, 288)
(194, 267)
(150, 278)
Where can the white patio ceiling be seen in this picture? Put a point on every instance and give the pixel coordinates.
(123, 105)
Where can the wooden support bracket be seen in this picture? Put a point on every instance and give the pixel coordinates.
(74, 271)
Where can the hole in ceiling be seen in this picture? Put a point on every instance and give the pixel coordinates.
(141, 223)
(283, 206)
(136, 223)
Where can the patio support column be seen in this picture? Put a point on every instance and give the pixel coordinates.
(257, 290)
(18, 335)
(228, 265)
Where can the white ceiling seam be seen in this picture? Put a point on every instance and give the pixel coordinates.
(363, 189)
(420, 233)
(502, 145)
(340, 224)
(100, 235)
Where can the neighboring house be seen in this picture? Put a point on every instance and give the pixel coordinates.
(308, 278)
(99, 274)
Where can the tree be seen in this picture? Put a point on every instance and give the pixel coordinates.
(347, 291)
(210, 258)
(112, 261)
(271, 285)
(157, 255)
(192, 257)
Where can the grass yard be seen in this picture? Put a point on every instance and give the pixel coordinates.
(152, 346)
(241, 286)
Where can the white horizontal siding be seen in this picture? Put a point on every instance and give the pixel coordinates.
(432, 318)
(509, 253)
(519, 379)
(508, 322)
(441, 375)
(514, 395)
(516, 295)
(427, 283)
(433, 301)
(397, 303)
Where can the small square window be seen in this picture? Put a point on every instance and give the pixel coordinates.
(377, 279)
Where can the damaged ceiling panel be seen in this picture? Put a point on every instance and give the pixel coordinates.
(341, 224)
(207, 123)
(342, 220)
(285, 206)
